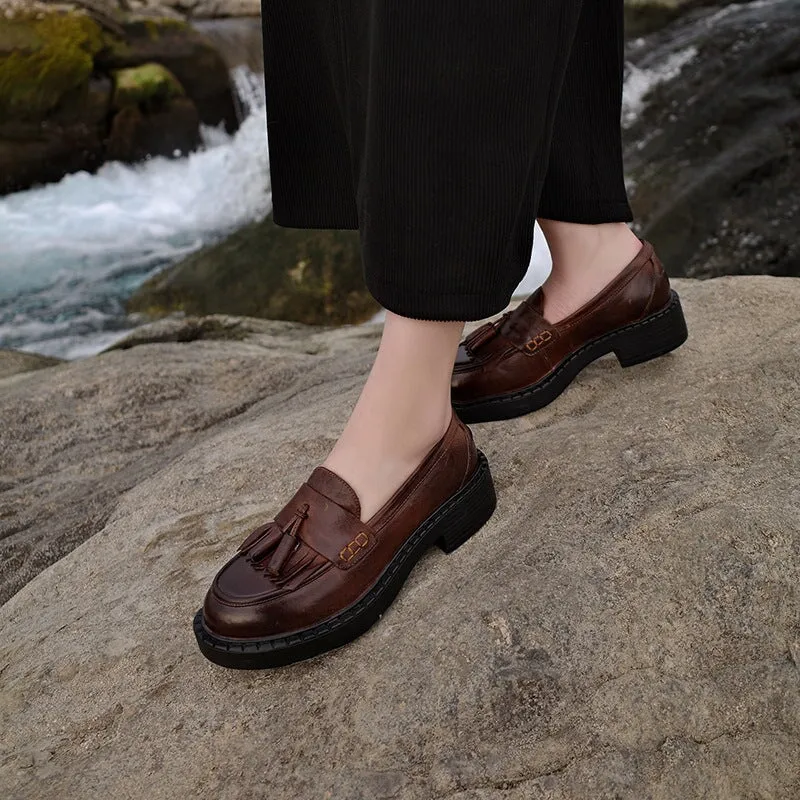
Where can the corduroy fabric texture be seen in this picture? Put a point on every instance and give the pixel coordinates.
(440, 129)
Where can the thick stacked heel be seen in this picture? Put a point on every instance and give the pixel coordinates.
(466, 517)
(654, 336)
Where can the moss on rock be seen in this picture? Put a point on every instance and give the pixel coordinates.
(157, 26)
(186, 53)
(42, 59)
(145, 84)
(263, 270)
(57, 65)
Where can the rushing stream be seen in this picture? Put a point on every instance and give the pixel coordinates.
(71, 252)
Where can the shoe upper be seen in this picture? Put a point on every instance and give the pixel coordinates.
(522, 347)
(317, 557)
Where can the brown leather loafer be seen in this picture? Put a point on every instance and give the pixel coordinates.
(317, 577)
(521, 362)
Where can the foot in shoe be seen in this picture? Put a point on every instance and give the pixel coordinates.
(586, 258)
(378, 451)
(523, 361)
(318, 576)
(403, 410)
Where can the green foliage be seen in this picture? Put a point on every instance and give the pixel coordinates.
(42, 59)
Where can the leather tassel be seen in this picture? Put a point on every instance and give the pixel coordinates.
(288, 544)
(265, 544)
(255, 536)
(480, 336)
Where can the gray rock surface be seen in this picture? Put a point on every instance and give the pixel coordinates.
(74, 439)
(626, 626)
(217, 8)
(197, 9)
(13, 362)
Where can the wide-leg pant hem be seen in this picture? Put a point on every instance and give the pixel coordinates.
(346, 216)
(440, 307)
(597, 214)
(441, 130)
(436, 305)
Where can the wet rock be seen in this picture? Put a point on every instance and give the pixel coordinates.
(645, 16)
(170, 129)
(625, 626)
(187, 54)
(44, 59)
(56, 68)
(154, 116)
(263, 270)
(52, 108)
(713, 157)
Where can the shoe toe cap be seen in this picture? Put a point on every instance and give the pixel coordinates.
(245, 603)
(240, 603)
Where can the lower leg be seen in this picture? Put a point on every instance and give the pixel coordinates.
(586, 258)
(585, 178)
(403, 410)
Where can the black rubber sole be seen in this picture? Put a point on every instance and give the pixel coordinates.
(463, 515)
(641, 341)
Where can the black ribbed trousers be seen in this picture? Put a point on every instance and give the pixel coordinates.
(441, 129)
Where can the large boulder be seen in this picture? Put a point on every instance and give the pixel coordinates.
(118, 424)
(625, 626)
(154, 116)
(59, 110)
(713, 157)
(53, 108)
(145, 84)
(186, 53)
(263, 270)
(45, 57)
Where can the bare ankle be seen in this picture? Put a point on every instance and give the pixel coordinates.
(403, 411)
(576, 246)
(586, 258)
